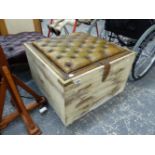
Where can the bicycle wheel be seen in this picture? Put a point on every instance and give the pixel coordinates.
(145, 58)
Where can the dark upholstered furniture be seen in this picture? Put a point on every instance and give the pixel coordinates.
(13, 45)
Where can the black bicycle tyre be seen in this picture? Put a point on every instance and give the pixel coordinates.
(139, 42)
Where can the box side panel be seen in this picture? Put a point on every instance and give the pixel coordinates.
(47, 82)
(88, 91)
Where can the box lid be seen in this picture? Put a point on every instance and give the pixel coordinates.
(78, 50)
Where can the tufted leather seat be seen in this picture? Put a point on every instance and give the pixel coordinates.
(76, 50)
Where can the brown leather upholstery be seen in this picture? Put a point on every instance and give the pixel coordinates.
(76, 50)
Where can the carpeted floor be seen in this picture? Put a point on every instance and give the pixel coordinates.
(131, 112)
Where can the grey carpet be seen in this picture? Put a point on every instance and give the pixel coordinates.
(131, 112)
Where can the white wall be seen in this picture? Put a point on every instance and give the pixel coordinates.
(19, 25)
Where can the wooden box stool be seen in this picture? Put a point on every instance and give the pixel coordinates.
(79, 72)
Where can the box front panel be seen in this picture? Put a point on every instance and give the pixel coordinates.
(90, 91)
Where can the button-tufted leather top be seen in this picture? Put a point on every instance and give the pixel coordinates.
(76, 50)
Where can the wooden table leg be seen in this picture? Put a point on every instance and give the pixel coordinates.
(31, 126)
(11, 117)
(38, 98)
(9, 82)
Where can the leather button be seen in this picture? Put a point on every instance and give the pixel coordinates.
(68, 64)
(43, 45)
(59, 57)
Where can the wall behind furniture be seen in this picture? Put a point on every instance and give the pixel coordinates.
(19, 25)
(14, 26)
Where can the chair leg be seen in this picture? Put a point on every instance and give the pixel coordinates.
(75, 26)
(31, 126)
(11, 117)
(39, 99)
(49, 32)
